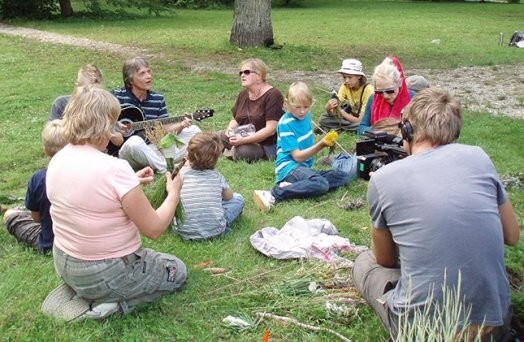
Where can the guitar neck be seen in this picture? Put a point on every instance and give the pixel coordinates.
(140, 125)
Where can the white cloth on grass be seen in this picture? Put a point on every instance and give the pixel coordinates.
(302, 238)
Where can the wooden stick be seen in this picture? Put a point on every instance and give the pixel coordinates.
(263, 315)
(177, 168)
(247, 279)
(336, 143)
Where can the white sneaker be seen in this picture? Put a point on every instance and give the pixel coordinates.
(263, 199)
(101, 311)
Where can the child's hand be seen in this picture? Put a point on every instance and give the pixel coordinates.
(330, 138)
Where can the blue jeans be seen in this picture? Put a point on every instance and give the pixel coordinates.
(232, 209)
(307, 183)
(347, 163)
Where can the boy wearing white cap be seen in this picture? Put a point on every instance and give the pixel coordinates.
(344, 111)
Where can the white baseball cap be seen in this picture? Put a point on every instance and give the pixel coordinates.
(351, 67)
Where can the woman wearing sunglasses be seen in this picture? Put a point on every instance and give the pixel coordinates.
(251, 134)
(391, 94)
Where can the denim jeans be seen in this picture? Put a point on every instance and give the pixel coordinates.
(307, 183)
(347, 163)
(232, 209)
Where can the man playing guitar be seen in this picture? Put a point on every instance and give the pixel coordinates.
(137, 92)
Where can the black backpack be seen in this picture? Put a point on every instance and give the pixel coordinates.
(517, 36)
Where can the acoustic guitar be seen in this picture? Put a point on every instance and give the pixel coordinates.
(133, 118)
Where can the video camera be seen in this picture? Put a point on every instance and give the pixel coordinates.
(377, 149)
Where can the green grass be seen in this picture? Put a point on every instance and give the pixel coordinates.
(318, 34)
(35, 73)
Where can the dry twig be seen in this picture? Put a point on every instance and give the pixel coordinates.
(263, 315)
(324, 132)
(154, 132)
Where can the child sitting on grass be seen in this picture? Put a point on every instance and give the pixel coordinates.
(210, 207)
(295, 154)
(34, 226)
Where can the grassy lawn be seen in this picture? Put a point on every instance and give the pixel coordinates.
(315, 37)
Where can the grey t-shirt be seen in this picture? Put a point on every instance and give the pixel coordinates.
(441, 207)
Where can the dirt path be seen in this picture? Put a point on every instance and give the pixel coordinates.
(495, 89)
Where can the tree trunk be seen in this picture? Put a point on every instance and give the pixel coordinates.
(252, 23)
(66, 10)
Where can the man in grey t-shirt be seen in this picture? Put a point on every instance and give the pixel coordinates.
(440, 219)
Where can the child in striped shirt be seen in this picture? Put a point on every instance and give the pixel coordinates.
(210, 207)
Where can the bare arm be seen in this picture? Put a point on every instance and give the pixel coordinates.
(117, 139)
(330, 106)
(510, 226)
(333, 108)
(227, 194)
(150, 222)
(349, 117)
(384, 248)
(300, 155)
(232, 125)
(35, 215)
(176, 128)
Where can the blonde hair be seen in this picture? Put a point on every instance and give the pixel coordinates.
(434, 116)
(298, 94)
(52, 138)
(387, 71)
(256, 65)
(90, 115)
(203, 150)
(89, 74)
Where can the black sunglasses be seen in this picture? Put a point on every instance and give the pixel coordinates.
(246, 72)
(389, 91)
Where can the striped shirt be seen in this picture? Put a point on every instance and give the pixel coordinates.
(201, 197)
(153, 106)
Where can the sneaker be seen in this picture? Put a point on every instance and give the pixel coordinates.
(101, 311)
(228, 153)
(263, 199)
